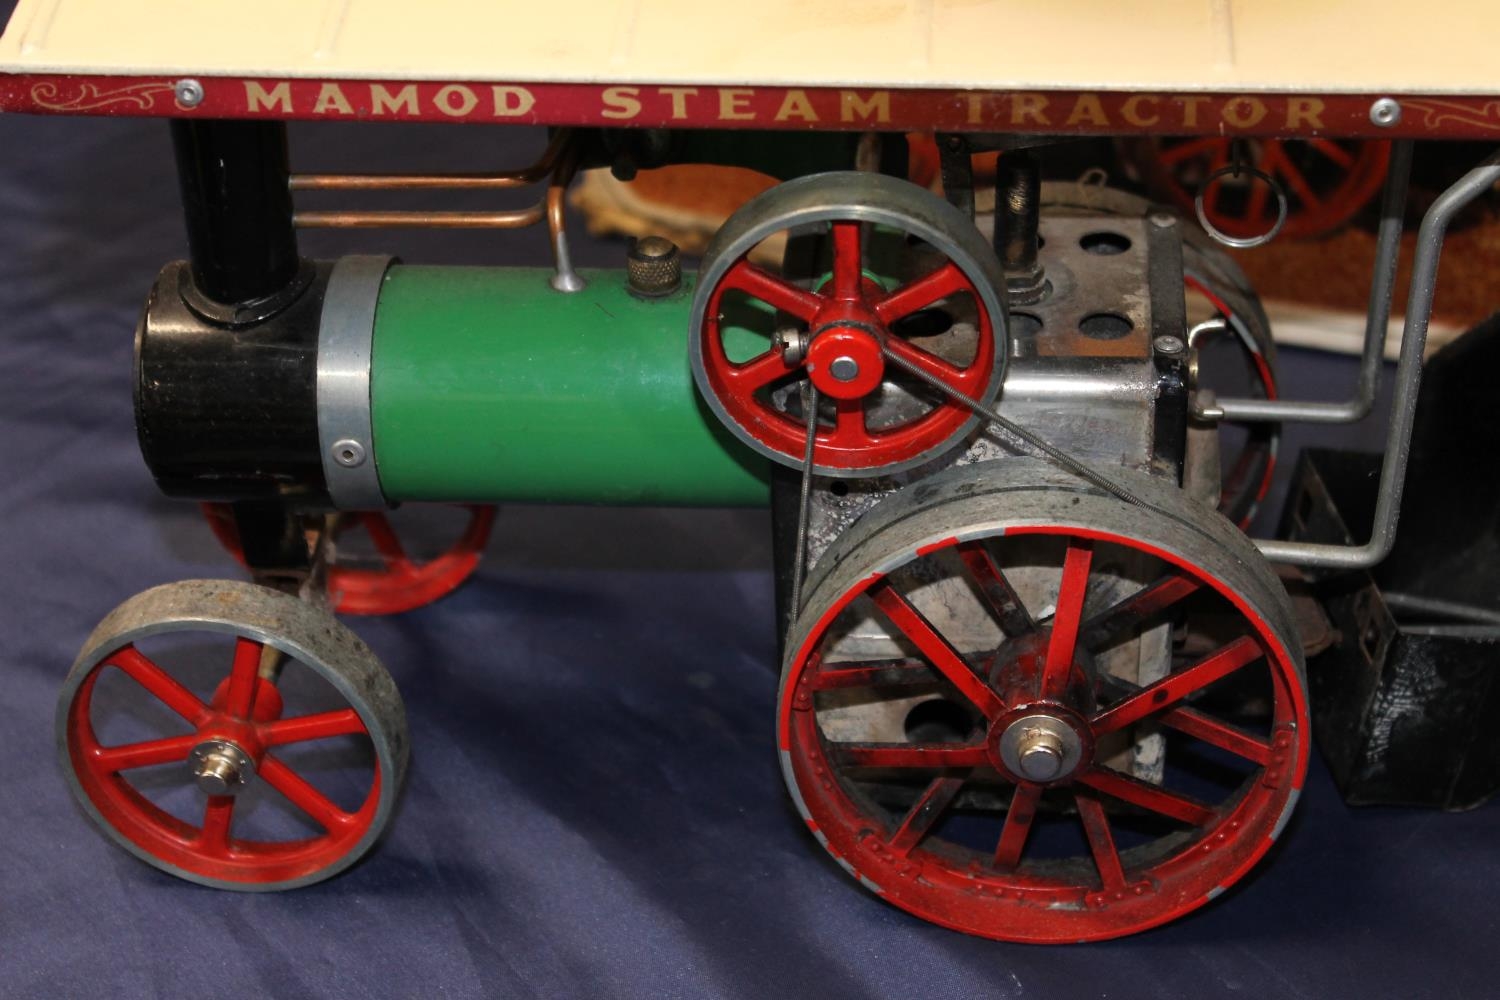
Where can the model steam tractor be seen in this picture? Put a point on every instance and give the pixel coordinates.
(1037, 684)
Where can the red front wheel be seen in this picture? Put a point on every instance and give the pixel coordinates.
(386, 579)
(233, 736)
(1028, 711)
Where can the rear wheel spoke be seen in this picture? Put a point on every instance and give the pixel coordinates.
(877, 673)
(910, 755)
(1176, 686)
(1101, 842)
(924, 814)
(1152, 798)
(1134, 610)
(1017, 829)
(1063, 638)
(996, 590)
(909, 621)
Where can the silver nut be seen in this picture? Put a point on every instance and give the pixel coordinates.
(189, 93)
(1385, 112)
(1169, 345)
(348, 452)
(221, 768)
(793, 345)
(1040, 754)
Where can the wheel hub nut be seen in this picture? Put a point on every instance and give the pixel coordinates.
(1040, 754)
(220, 767)
(1040, 748)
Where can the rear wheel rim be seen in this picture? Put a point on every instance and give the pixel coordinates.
(885, 810)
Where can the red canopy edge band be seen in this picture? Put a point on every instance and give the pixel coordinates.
(1067, 112)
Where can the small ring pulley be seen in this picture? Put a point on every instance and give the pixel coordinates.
(1236, 169)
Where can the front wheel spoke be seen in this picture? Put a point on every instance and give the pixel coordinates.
(146, 754)
(918, 294)
(1009, 612)
(910, 755)
(774, 291)
(1063, 638)
(1018, 819)
(924, 814)
(943, 657)
(244, 677)
(1174, 687)
(218, 815)
(1135, 609)
(341, 722)
(304, 796)
(159, 683)
(392, 552)
(1152, 798)
(1101, 842)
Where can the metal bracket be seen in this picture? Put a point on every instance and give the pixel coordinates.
(346, 436)
(1408, 375)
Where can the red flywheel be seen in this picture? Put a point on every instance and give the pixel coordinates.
(1023, 709)
(873, 267)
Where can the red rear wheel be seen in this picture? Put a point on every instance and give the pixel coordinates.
(1326, 181)
(396, 581)
(1027, 711)
(186, 787)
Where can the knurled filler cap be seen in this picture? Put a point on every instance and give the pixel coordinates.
(653, 267)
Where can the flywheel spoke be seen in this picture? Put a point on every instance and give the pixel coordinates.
(938, 284)
(761, 284)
